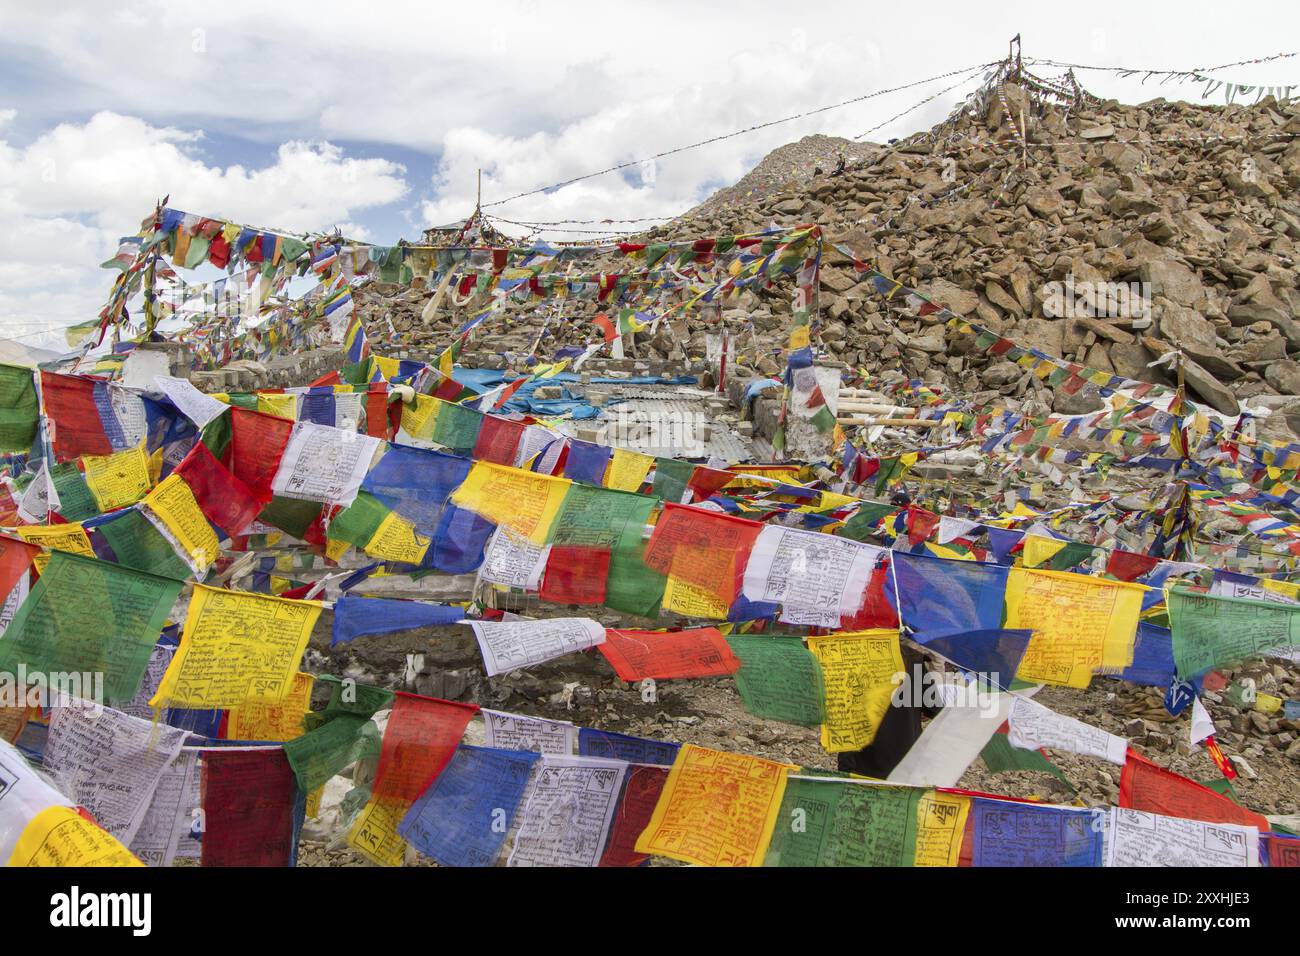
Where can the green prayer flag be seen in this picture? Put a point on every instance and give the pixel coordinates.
(90, 617)
(139, 545)
(76, 503)
(18, 409)
(672, 478)
(326, 751)
(1210, 631)
(779, 679)
(829, 823)
(457, 427)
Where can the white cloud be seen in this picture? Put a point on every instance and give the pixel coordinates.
(67, 196)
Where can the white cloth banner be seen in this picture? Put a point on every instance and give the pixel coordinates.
(509, 645)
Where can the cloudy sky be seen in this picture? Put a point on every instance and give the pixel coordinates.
(375, 117)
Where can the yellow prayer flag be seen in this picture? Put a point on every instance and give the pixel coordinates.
(525, 502)
(419, 416)
(375, 836)
(281, 721)
(389, 367)
(279, 404)
(691, 600)
(396, 540)
(1082, 625)
(237, 648)
(69, 537)
(59, 836)
(173, 504)
(1039, 550)
(716, 809)
(627, 470)
(940, 827)
(119, 479)
(859, 671)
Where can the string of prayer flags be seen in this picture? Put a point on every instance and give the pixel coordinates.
(642, 787)
(1145, 786)
(421, 736)
(237, 648)
(607, 743)
(716, 809)
(509, 645)
(525, 502)
(567, 816)
(779, 679)
(1210, 632)
(1082, 625)
(1022, 834)
(860, 672)
(356, 616)
(62, 837)
(85, 617)
(250, 800)
(464, 816)
(667, 655)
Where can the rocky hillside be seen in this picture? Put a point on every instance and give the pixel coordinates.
(1195, 203)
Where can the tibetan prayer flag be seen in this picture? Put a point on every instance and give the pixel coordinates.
(331, 748)
(16, 557)
(860, 672)
(941, 596)
(62, 837)
(1210, 632)
(282, 721)
(119, 479)
(1145, 786)
(1153, 658)
(586, 462)
(257, 443)
(457, 427)
(992, 656)
(607, 743)
(580, 791)
(716, 809)
(76, 427)
(173, 510)
(498, 440)
(1022, 834)
(421, 736)
(642, 787)
(702, 550)
(627, 470)
(524, 502)
(595, 540)
(87, 617)
(841, 823)
(136, 543)
(358, 616)
(667, 655)
(19, 411)
(672, 478)
(249, 800)
(462, 819)
(779, 679)
(224, 500)
(236, 648)
(1082, 625)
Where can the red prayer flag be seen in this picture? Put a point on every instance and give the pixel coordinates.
(257, 443)
(702, 548)
(15, 558)
(1129, 566)
(705, 481)
(575, 575)
(641, 789)
(698, 652)
(1145, 786)
(224, 500)
(421, 736)
(70, 407)
(498, 440)
(248, 798)
(1282, 851)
